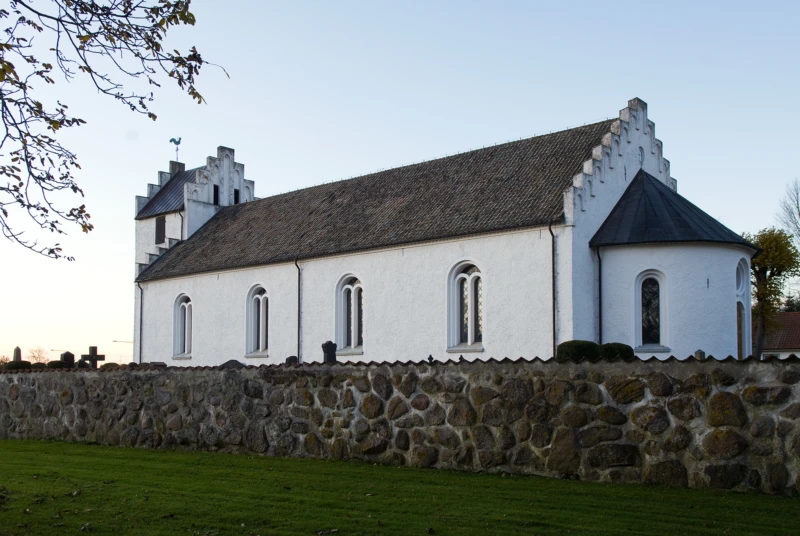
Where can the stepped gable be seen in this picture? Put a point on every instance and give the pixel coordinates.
(170, 197)
(650, 212)
(513, 185)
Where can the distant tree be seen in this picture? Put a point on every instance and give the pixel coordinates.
(778, 261)
(37, 355)
(792, 304)
(789, 209)
(4, 359)
(111, 43)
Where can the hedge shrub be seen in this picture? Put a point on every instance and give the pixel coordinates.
(611, 351)
(56, 364)
(577, 350)
(17, 365)
(38, 365)
(109, 366)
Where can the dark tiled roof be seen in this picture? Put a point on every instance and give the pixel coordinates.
(786, 333)
(169, 198)
(517, 184)
(650, 212)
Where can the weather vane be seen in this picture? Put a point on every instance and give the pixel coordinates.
(177, 146)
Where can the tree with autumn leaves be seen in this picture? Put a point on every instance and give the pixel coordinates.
(777, 261)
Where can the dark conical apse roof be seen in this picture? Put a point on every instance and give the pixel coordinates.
(650, 212)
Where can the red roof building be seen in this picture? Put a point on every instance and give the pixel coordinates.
(784, 339)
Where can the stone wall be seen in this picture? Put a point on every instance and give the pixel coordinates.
(727, 424)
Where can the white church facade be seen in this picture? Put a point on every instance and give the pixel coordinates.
(505, 251)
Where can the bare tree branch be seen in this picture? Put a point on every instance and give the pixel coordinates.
(789, 209)
(112, 44)
(37, 355)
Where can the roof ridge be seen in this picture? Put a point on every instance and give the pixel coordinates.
(437, 159)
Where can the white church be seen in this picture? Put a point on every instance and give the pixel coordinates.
(504, 251)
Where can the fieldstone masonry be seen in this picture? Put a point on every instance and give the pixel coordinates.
(729, 424)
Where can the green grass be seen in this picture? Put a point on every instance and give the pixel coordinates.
(58, 488)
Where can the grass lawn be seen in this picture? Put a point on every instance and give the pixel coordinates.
(60, 488)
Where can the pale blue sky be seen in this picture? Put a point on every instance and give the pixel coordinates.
(320, 91)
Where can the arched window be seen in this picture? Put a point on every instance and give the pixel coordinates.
(257, 321)
(651, 312)
(465, 303)
(182, 330)
(651, 317)
(742, 277)
(350, 316)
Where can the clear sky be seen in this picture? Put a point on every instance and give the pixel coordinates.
(321, 91)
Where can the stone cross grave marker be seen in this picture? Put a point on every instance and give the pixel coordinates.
(93, 357)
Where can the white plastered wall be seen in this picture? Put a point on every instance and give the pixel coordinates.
(405, 303)
(699, 297)
(595, 192)
(218, 315)
(146, 235)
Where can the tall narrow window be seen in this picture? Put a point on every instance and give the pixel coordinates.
(740, 340)
(743, 321)
(350, 316)
(651, 312)
(348, 297)
(466, 309)
(161, 229)
(236, 196)
(257, 321)
(360, 313)
(182, 331)
(216, 194)
(477, 297)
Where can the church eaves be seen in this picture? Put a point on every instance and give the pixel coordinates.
(651, 213)
(514, 185)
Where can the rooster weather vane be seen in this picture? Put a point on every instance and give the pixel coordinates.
(177, 146)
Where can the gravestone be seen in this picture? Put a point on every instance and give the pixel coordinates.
(17, 354)
(292, 360)
(68, 358)
(92, 357)
(329, 352)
